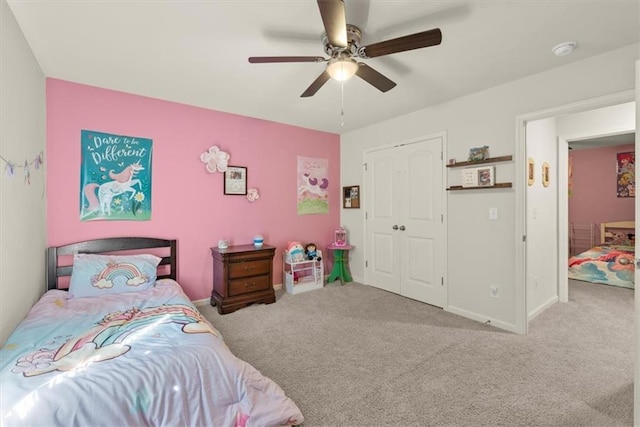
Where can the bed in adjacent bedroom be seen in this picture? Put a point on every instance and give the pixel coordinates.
(612, 261)
(125, 346)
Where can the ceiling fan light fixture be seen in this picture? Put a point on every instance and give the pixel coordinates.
(342, 69)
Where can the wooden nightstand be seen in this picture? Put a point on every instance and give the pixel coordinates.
(242, 275)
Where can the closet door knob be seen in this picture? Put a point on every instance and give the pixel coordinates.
(402, 228)
(395, 227)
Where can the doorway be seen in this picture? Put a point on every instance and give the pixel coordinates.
(522, 205)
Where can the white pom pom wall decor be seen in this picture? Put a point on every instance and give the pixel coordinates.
(215, 159)
(252, 194)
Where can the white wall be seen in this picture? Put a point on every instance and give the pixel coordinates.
(482, 253)
(612, 120)
(22, 207)
(542, 218)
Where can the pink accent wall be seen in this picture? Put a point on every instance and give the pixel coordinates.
(594, 198)
(188, 202)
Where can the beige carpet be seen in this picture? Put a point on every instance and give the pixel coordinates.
(359, 356)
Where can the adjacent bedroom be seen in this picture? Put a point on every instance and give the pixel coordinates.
(602, 211)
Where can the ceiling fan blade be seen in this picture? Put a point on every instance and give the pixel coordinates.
(401, 44)
(317, 84)
(269, 59)
(335, 21)
(374, 78)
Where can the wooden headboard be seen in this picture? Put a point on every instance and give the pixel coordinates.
(606, 228)
(112, 245)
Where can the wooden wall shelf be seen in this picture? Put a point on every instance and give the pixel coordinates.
(497, 185)
(480, 162)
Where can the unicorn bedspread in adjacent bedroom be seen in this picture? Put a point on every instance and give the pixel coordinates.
(142, 358)
(606, 264)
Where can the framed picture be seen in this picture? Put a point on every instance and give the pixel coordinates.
(545, 174)
(479, 153)
(469, 177)
(531, 171)
(626, 174)
(486, 176)
(235, 180)
(351, 197)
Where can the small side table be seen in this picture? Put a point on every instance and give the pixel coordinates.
(340, 255)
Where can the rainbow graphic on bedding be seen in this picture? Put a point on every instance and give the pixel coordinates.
(132, 358)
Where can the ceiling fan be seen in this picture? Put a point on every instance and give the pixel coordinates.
(342, 43)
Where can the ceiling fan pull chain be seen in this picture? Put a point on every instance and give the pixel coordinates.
(341, 103)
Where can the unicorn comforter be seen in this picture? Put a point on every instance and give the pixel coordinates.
(142, 358)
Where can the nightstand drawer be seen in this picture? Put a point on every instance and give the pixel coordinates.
(249, 268)
(248, 285)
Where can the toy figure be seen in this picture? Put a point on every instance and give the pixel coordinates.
(311, 252)
(296, 251)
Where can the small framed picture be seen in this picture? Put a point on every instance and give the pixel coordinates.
(545, 174)
(469, 177)
(531, 171)
(479, 153)
(235, 180)
(452, 161)
(486, 176)
(351, 197)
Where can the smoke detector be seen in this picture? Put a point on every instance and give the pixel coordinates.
(564, 48)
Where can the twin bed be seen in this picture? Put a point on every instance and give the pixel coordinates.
(612, 261)
(123, 345)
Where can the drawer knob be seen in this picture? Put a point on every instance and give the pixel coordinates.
(250, 285)
(249, 267)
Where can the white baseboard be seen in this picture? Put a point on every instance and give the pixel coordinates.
(201, 302)
(542, 308)
(483, 319)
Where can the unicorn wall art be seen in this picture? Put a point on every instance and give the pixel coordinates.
(313, 185)
(123, 182)
(115, 177)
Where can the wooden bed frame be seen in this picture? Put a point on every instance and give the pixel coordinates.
(605, 226)
(55, 268)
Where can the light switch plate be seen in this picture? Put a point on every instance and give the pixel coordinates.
(493, 213)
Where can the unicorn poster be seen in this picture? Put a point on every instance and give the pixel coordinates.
(115, 177)
(313, 186)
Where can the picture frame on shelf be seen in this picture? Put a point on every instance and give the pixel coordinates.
(351, 197)
(235, 181)
(469, 177)
(478, 153)
(486, 176)
(479, 177)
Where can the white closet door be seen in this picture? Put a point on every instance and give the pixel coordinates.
(382, 203)
(405, 233)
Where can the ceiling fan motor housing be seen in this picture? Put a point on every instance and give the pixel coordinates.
(353, 41)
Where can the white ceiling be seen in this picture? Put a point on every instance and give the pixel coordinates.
(195, 52)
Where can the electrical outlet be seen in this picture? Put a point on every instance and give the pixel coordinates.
(494, 291)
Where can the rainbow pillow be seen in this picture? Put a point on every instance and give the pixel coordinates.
(95, 275)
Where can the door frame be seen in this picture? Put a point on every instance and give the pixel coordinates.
(522, 321)
(365, 193)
